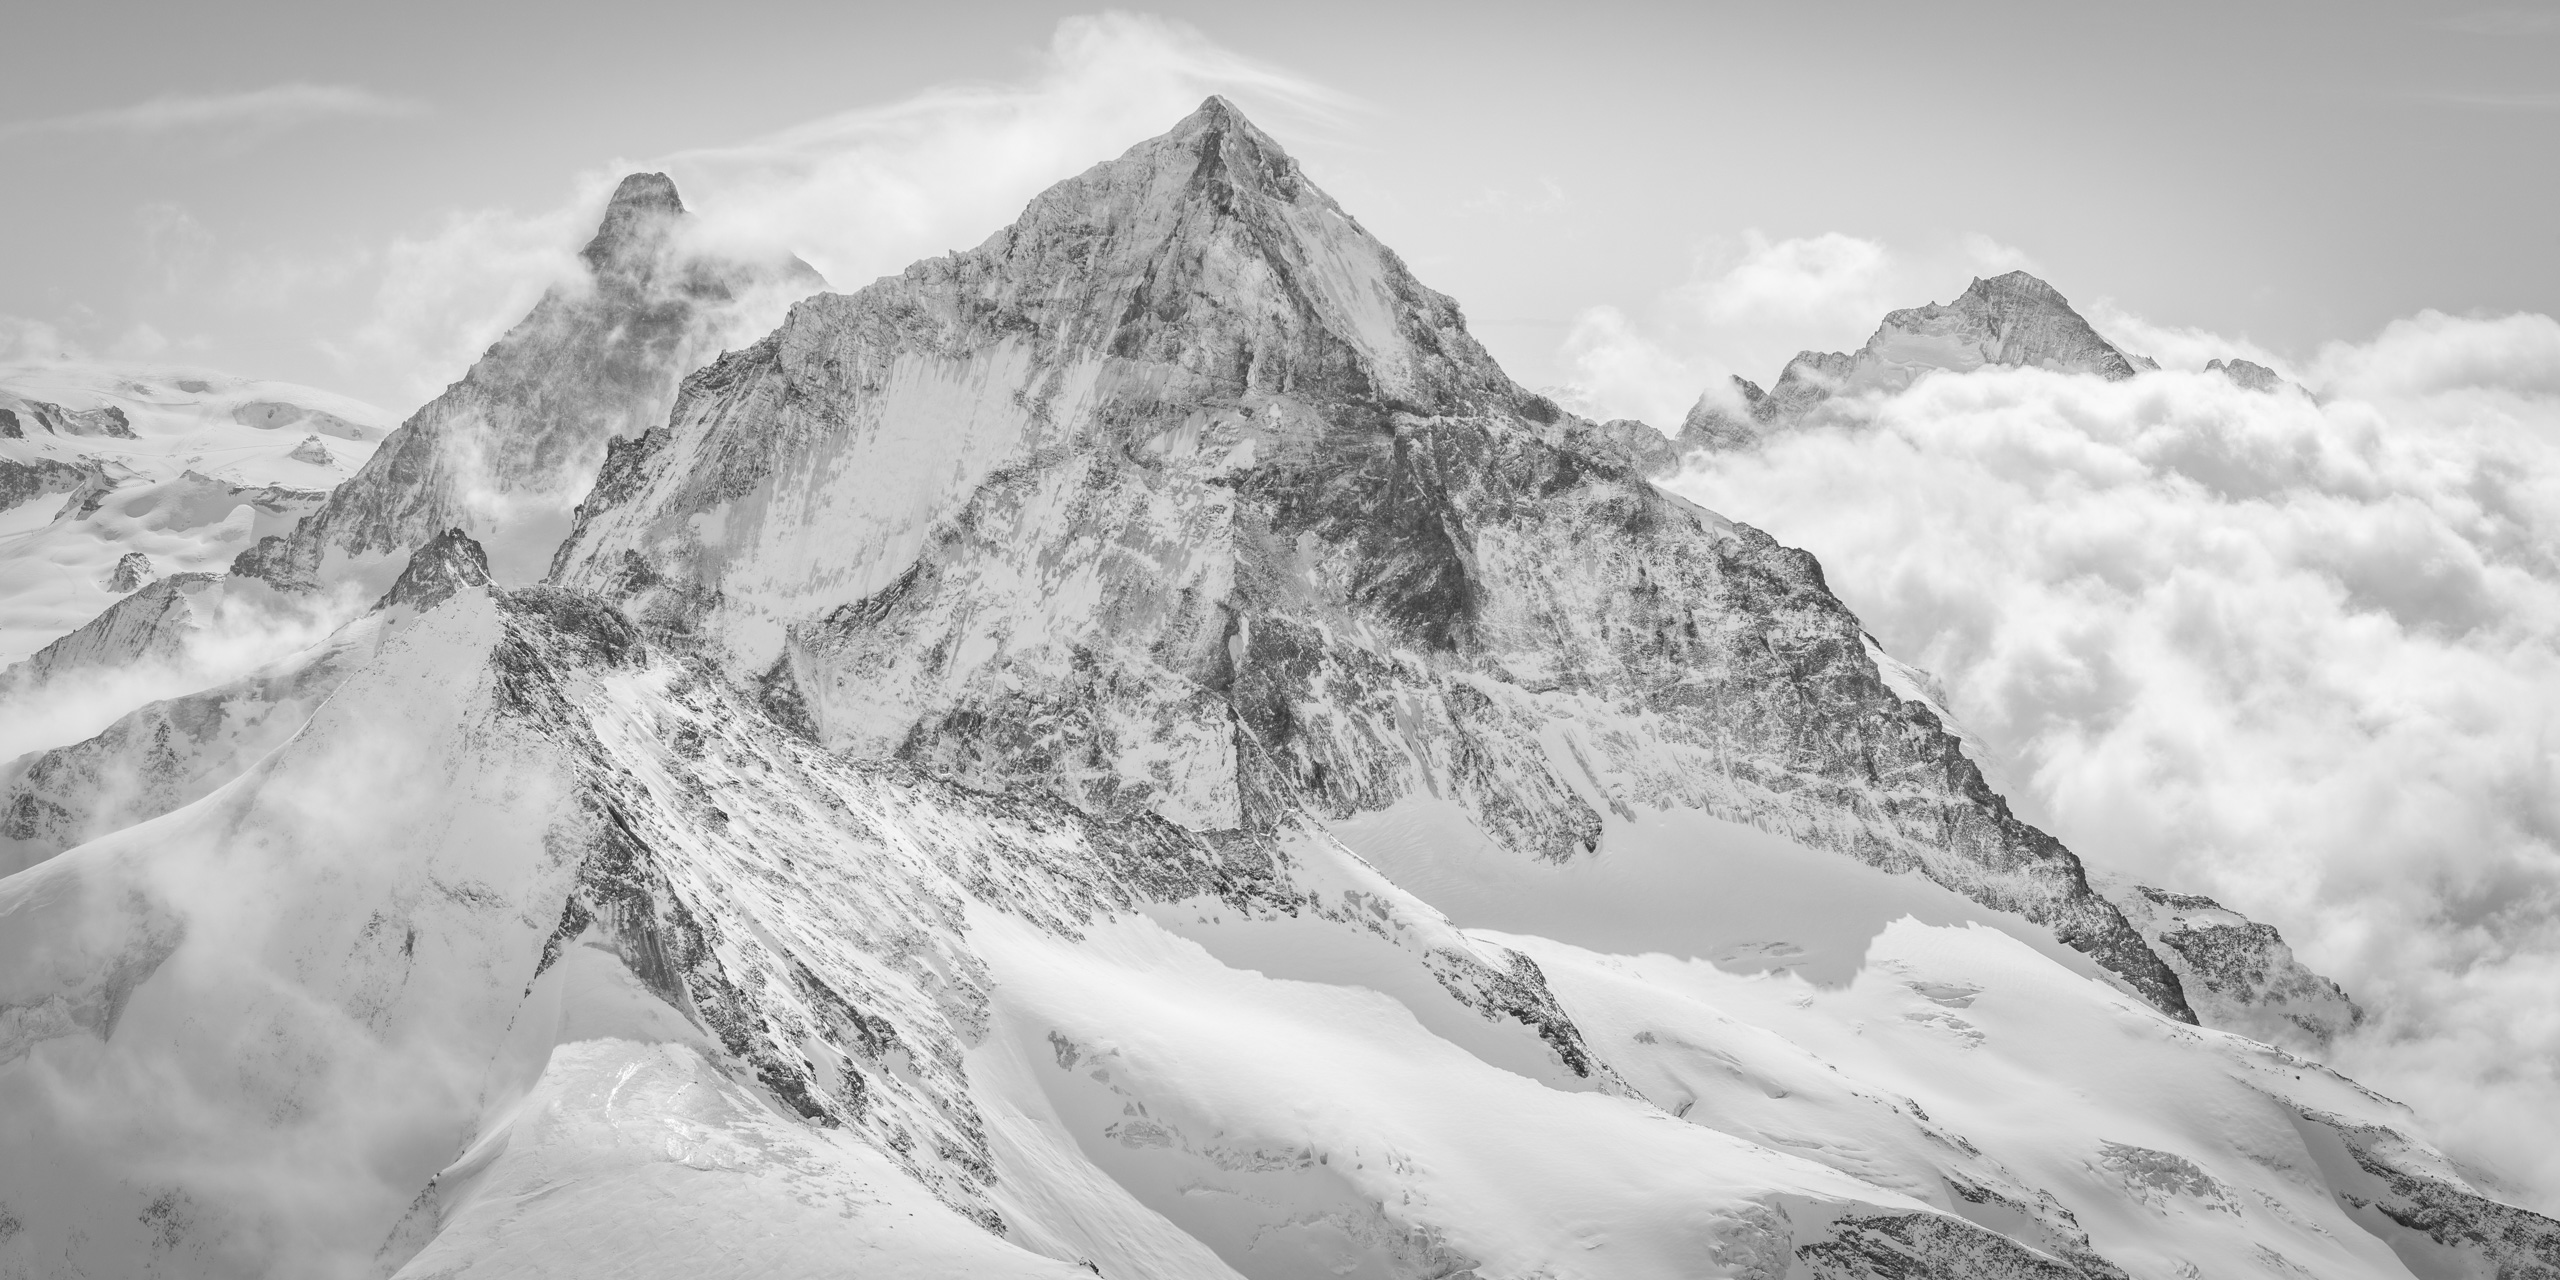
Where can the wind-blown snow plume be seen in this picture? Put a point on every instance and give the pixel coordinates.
(2300, 653)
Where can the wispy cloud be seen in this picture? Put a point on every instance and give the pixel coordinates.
(275, 106)
(2546, 101)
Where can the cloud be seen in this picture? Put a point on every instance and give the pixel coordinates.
(31, 341)
(273, 107)
(2175, 346)
(1749, 306)
(858, 194)
(2299, 654)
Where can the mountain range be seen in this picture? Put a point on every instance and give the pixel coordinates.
(1135, 749)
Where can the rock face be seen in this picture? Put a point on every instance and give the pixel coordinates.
(1181, 497)
(506, 452)
(2015, 320)
(2237, 973)
(35, 478)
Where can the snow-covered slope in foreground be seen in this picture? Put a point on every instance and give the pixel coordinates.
(610, 976)
(1132, 751)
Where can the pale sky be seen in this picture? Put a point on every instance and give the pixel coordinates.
(238, 178)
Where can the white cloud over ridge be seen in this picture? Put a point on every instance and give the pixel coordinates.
(2299, 654)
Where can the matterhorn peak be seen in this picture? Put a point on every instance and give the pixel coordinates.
(505, 453)
(638, 222)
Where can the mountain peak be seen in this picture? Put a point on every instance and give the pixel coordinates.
(636, 220)
(447, 563)
(1234, 154)
(2014, 288)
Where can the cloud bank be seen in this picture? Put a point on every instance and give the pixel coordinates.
(2301, 654)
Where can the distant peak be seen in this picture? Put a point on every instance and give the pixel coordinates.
(643, 206)
(447, 563)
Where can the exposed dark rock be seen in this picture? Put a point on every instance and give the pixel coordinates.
(132, 570)
(34, 478)
(445, 564)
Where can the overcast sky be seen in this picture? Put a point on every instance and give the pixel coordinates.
(240, 180)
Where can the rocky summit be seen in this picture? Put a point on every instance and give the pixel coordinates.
(1135, 750)
(2014, 320)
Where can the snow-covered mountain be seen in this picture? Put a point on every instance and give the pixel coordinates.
(113, 476)
(1132, 750)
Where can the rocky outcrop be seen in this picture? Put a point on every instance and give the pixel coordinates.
(107, 420)
(449, 562)
(132, 570)
(313, 452)
(26, 481)
(1182, 498)
(506, 452)
(2238, 974)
